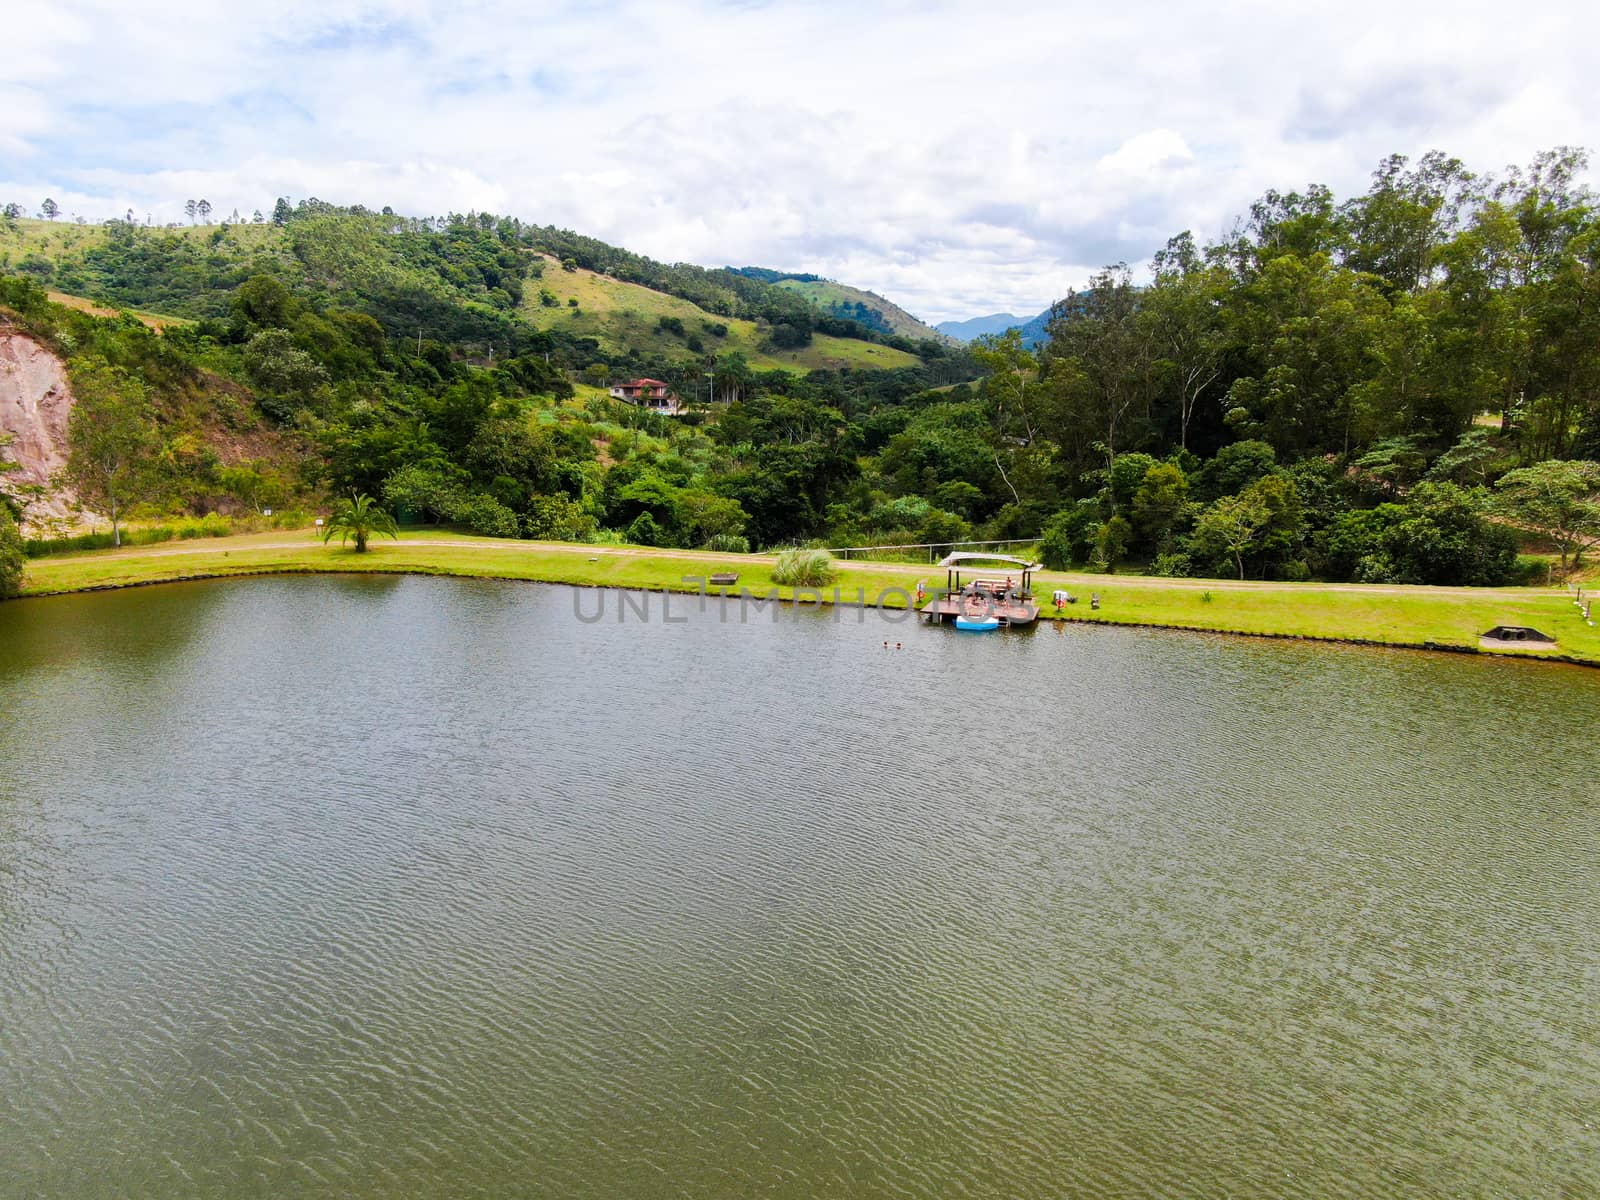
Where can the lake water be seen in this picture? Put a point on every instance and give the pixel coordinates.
(420, 887)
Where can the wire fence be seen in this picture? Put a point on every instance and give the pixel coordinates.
(935, 550)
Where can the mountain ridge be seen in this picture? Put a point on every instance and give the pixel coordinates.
(1033, 328)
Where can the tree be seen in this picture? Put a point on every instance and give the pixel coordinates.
(1437, 537)
(1228, 529)
(50, 209)
(287, 375)
(256, 218)
(1468, 461)
(1559, 499)
(1183, 313)
(1266, 517)
(1159, 502)
(190, 207)
(425, 490)
(1396, 229)
(1012, 367)
(1111, 542)
(1069, 536)
(281, 212)
(111, 440)
(204, 209)
(357, 519)
(13, 211)
(256, 484)
(1314, 325)
(10, 536)
(1236, 466)
(10, 554)
(1101, 364)
(263, 301)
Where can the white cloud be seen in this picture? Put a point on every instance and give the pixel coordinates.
(958, 157)
(1146, 153)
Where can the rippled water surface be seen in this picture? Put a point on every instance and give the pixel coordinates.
(385, 887)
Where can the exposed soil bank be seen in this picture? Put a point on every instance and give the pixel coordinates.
(35, 402)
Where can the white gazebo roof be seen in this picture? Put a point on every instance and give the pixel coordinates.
(964, 559)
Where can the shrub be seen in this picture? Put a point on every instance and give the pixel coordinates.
(1436, 537)
(804, 568)
(645, 531)
(559, 519)
(1069, 536)
(210, 525)
(1531, 570)
(1111, 542)
(10, 555)
(1172, 566)
(728, 543)
(485, 515)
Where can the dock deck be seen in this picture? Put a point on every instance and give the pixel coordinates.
(1010, 612)
(996, 595)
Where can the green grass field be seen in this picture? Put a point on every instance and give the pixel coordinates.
(620, 315)
(1403, 616)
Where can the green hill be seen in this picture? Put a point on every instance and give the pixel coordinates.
(629, 318)
(869, 308)
(468, 279)
(840, 301)
(454, 368)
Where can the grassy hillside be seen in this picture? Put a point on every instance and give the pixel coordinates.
(839, 299)
(184, 271)
(59, 243)
(155, 321)
(202, 264)
(623, 316)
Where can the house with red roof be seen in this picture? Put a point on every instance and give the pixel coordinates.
(648, 393)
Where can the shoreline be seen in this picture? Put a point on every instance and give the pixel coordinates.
(1394, 616)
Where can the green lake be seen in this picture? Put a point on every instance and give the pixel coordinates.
(417, 887)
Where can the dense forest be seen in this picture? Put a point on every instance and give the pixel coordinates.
(1398, 386)
(1352, 390)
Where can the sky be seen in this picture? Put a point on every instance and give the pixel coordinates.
(960, 158)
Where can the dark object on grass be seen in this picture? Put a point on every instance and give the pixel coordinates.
(1518, 633)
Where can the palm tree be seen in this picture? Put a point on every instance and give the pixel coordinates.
(359, 517)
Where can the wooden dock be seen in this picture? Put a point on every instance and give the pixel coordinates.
(1010, 612)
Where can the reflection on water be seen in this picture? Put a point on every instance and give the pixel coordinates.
(423, 887)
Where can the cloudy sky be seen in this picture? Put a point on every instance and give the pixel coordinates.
(961, 158)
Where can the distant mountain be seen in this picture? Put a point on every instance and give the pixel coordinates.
(1036, 332)
(976, 327)
(1033, 328)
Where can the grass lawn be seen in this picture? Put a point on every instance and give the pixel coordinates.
(1411, 616)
